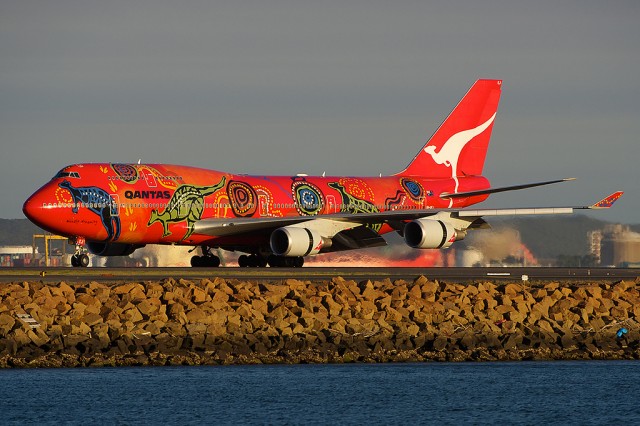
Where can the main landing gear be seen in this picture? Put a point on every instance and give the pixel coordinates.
(285, 262)
(79, 258)
(252, 261)
(207, 260)
(257, 261)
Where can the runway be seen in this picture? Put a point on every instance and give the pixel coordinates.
(315, 274)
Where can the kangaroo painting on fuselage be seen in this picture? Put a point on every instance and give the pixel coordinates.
(97, 201)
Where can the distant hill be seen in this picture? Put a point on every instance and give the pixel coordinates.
(17, 232)
(547, 237)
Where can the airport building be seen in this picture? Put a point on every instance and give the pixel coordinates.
(17, 256)
(46, 250)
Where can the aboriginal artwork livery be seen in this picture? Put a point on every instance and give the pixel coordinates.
(414, 190)
(308, 197)
(99, 202)
(244, 200)
(186, 205)
(353, 205)
(392, 203)
(126, 172)
(154, 179)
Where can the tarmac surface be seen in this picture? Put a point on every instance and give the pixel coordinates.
(314, 273)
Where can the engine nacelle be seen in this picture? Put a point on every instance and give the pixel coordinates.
(429, 234)
(112, 249)
(293, 241)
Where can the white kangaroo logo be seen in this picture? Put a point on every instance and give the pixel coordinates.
(451, 149)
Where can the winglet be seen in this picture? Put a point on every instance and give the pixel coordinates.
(607, 202)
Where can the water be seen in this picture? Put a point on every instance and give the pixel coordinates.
(582, 393)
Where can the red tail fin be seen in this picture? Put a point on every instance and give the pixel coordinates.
(459, 146)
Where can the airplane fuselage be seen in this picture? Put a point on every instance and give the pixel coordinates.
(159, 203)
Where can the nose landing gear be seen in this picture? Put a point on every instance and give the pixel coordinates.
(79, 258)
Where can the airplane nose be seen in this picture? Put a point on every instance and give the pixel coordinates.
(35, 207)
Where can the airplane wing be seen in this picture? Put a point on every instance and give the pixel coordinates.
(332, 224)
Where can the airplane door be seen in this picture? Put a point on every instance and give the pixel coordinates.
(115, 204)
(332, 207)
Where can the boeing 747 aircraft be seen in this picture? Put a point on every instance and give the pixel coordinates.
(114, 209)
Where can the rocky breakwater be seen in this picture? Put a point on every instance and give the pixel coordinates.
(179, 322)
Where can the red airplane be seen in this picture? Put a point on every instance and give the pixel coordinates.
(114, 209)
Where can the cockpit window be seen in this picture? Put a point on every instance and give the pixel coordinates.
(63, 174)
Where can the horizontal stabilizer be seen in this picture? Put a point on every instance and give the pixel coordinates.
(501, 189)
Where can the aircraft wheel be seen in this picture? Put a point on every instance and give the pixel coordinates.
(275, 261)
(285, 262)
(74, 261)
(205, 261)
(295, 262)
(83, 260)
(255, 261)
(243, 261)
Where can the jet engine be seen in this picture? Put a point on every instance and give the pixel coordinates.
(429, 234)
(112, 249)
(293, 241)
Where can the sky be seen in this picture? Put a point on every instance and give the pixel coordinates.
(342, 87)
